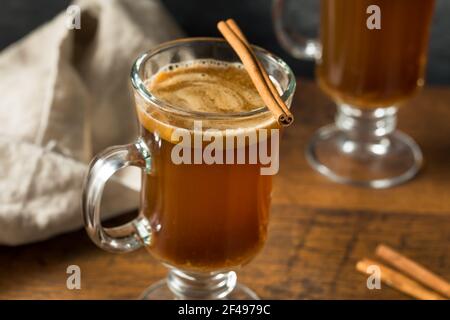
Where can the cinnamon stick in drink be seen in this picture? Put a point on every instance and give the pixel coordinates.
(257, 73)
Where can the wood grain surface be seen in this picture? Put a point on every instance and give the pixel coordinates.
(318, 229)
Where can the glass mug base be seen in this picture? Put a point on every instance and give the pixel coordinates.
(363, 148)
(180, 285)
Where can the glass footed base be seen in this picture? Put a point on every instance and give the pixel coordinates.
(160, 291)
(181, 285)
(393, 159)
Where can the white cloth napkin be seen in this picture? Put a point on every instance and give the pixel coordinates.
(64, 96)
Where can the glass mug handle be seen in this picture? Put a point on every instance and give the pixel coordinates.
(127, 237)
(297, 45)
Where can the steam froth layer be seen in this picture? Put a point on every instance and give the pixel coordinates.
(206, 86)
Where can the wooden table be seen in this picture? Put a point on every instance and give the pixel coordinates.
(318, 230)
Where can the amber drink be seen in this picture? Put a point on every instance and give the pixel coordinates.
(373, 68)
(212, 216)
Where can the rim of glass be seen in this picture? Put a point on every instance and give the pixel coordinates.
(139, 84)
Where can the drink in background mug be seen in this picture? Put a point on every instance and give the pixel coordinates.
(368, 69)
(200, 220)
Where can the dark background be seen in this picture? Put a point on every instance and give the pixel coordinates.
(199, 17)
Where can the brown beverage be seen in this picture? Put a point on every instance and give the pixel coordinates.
(205, 217)
(373, 68)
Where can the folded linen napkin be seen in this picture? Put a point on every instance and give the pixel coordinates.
(65, 95)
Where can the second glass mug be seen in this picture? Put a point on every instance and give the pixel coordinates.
(201, 221)
(368, 73)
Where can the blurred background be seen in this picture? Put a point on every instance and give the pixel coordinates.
(326, 227)
(19, 17)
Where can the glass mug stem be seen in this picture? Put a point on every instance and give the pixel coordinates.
(214, 285)
(366, 125)
(132, 235)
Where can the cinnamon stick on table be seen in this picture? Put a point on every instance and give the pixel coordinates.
(413, 269)
(256, 71)
(398, 281)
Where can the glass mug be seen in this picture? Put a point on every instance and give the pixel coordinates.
(200, 220)
(368, 73)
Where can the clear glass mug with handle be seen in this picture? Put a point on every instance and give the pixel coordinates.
(202, 221)
(370, 59)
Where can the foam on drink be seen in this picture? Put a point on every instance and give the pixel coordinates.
(206, 86)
